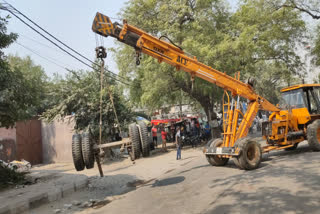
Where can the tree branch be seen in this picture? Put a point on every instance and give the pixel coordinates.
(295, 6)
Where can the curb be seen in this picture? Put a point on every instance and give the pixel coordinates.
(44, 197)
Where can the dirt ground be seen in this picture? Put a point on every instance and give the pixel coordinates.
(120, 178)
(286, 182)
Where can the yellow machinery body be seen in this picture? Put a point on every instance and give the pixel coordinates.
(284, 129)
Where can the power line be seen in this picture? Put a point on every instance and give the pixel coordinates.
(46, 58)
(59, 40)
(61, 47)
(40, 43)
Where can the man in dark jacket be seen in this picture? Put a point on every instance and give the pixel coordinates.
(178, 143)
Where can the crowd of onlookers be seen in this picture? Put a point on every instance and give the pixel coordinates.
(190, 131)
(186, 128)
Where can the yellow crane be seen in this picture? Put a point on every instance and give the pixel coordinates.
(287, 127)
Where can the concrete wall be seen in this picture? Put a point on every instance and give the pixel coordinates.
(8, 134)
(56, 141)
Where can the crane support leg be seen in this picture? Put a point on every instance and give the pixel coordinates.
(247, 120)
(229, 150)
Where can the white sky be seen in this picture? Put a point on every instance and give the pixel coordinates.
(70, 21)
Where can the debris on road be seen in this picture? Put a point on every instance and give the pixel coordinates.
(19, 166)
(57, 211)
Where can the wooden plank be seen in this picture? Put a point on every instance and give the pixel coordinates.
(113, 144)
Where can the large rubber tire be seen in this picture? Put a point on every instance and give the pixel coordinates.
(250, 154)
(235, 159)
(237, 163)
(151, 144)
(144, 140)
(135, 140)
(215, 160)
(313, 135)
(87, 151)
(77, 152)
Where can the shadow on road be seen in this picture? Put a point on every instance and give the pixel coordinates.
(168, 181)
(288, 182)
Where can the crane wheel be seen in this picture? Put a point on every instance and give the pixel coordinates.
(215, 160)
(313, 135)
(77, 152)
(236, 162)
(87, 151)
(250, 154)
(135, 140)
(144, 139)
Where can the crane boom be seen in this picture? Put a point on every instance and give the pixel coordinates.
(175, 56)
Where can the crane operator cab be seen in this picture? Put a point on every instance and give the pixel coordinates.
(298, 119)
(301, 96)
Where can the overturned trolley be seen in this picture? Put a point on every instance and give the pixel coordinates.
(85, 151)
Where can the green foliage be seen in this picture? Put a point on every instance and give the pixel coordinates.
(34, 81)
(258, 39)
(22, 91)
(316, 49)
(311, 9)
(79, 95)
(10, 176)
(9, 81)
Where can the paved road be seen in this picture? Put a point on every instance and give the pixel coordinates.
(286, 182)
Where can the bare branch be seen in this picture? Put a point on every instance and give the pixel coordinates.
(309, 11)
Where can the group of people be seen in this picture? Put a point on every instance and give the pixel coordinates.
(177, 131)
(164, 134)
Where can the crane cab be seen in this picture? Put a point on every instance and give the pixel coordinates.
(300, 107)
(303, 100)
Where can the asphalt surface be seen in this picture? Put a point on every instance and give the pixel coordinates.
(286, 182)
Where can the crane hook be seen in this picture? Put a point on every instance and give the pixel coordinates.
(192, 82)
(138, 57)
(101, 52)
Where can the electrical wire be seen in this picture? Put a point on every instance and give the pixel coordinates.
(40, 43)
(51, 60)
(59, 40)
(61, 47)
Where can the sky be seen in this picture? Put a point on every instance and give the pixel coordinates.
(70, 21)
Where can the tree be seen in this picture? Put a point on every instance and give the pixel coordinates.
(255, 36)
(8, 84)
(34, 82)
(311, 8)
(24, 91)
(79, 93)
(316, 50)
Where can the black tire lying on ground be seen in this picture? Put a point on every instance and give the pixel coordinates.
(215, 160)
(313, 135)
(250, 154)
(87, 151)
(77, 152)
(135, 140)
(144, 140)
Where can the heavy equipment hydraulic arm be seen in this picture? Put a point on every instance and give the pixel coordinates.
(175, 56)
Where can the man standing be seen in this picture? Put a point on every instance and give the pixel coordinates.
(178, 144)
(154, 136)
(207, 131)
(164, 139)
(187, 124)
